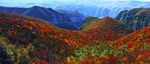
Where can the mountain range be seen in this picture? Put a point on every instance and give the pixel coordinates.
(75, 33)
(47, 14)
(25, 39)
(112, 8)
(66, 20)
(93, 11)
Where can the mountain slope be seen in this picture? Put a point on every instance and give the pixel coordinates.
(87, 23)
(44, 40)
(137, 38)
(132, 49)
(105, 29)
(31, 40)
(75, 16)
(66, 34)
(137, 18)
(47, 14)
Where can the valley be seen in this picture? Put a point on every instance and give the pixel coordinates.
(72, 34)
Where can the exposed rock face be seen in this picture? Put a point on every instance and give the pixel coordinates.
(137, 18)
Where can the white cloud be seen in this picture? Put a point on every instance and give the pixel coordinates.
(142, 0)
(92, 2)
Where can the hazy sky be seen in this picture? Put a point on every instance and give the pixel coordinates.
(57, 2)
(67, 1)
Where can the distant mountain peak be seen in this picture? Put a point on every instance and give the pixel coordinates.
(36, 7)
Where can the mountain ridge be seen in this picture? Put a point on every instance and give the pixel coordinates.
(47, 14)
